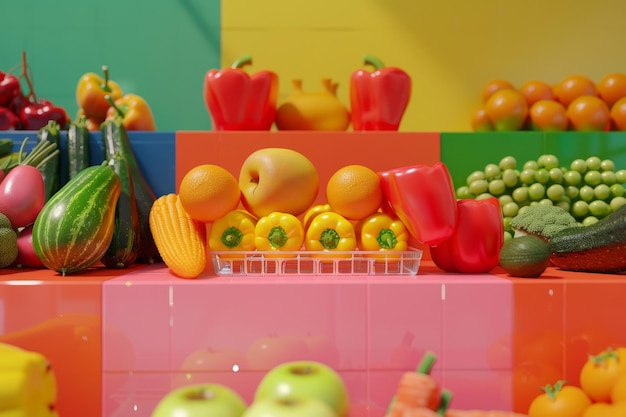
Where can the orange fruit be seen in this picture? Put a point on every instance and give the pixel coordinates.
(507, 110)
(354, 191)
(572, 87)
(480, 122)
(208, 192)
(589, 113)
(618, 114)
(548, 115)
(612, 87)
(492, 86)
(536, 90)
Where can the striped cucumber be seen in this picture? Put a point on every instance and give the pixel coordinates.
(77, 146)
(74, 228)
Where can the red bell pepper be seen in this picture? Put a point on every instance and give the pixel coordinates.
(9, 88)
(378, 99)
(423, 197)
(474, 248)
(238, 101)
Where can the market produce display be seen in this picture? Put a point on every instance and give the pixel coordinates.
(574, 103)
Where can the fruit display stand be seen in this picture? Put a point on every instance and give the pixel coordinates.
(121, 339)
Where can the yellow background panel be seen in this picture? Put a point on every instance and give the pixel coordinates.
(449, 48)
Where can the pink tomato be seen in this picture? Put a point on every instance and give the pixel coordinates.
(22, 195)
(26, 256)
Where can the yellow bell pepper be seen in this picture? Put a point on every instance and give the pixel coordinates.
(330, 231)
(27, 383)
(91, 93)
(312, 212)
(134, 112)
(382, 232)
(233, 232)
(278, 231)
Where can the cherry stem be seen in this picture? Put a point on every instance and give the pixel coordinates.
(25, 70)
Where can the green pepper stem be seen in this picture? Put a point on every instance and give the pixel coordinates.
(277, 237)
(105, 85)
(427, 363)
(242, 61)
(373, 61)
(330, 239)
(386, 239)
(231, 237)
(118, 111)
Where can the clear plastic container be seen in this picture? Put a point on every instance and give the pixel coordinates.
(257, 263)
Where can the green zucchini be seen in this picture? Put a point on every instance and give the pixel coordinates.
(6, 146)
(116, 143)
(74, 228)
(599, 247)
(124, 247)
(51, 170)
(77, 147)
(525, 256)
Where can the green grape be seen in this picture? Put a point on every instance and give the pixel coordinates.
(548, 161)
(492, 171)
(507, 236)
(530, 165)
(578, 165)
(483, 196)
(545, 202)
(506, 222)
(580, 209)
(617, 190)
(474, 176)
(464, 192)
(617, 202)
(589, 220)
(536, 191)
(602, 191)
(527, 176)
(593, 163)
(510, 177)
(520, 194)
(599, 208)
(522, 209)
(505, 198)
(586, 193)
(510, 209)
(542, 175)
(607, 165)
(555, 192)
(508, 162)
(497, 187)
(564, 204)
(572, 192)
(556, 175)
(608, 177)
(620, 175)
(479, 186)
(592, 178)
(573, 177)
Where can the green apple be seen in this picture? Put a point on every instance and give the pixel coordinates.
(295, 406)
(306, 379)
(200, 400)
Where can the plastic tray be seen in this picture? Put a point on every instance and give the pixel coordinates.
(316, 263)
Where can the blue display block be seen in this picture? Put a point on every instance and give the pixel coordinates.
(155, 153)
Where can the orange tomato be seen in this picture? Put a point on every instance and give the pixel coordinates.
(618, 390)
(589, 113)
(598, 410)
(536, 90)
(599, 374)
(480, 122)
(492, 86)
(507, 110)
(572, 87)
(612, 87)
(559, 400)
(548, 115)
(618, 114)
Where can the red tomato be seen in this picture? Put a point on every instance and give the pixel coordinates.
(507, 110)
(492, 86)
(612, 87)
(22, 195)
(536, 90)
(480, 122)
(572, 87)
(589, 113)
(559, 401)
(548, 115)
(26, 256)
(600, 372)
(618, 114)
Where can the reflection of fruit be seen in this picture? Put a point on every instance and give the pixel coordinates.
(527, 379)
(492, 86)
(207, 192)
(278, 179)
(536, 90)
(572, 87)
(354, 191)
(211, 365)
(588, 113)
(267, 352)
(306, 378)
(296, 406)
(507, 110)
(405, 355)
(322, 349)
(200, 400)
(548, 115)
(612, 87)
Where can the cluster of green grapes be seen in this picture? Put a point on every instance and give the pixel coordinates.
(589, 188)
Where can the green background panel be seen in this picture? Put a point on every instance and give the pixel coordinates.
(464, 153)
(160, 50)
(569, 146)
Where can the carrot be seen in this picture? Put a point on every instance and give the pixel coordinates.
(403, 410)
(482, 413)
(181, 241)
(419, 389)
